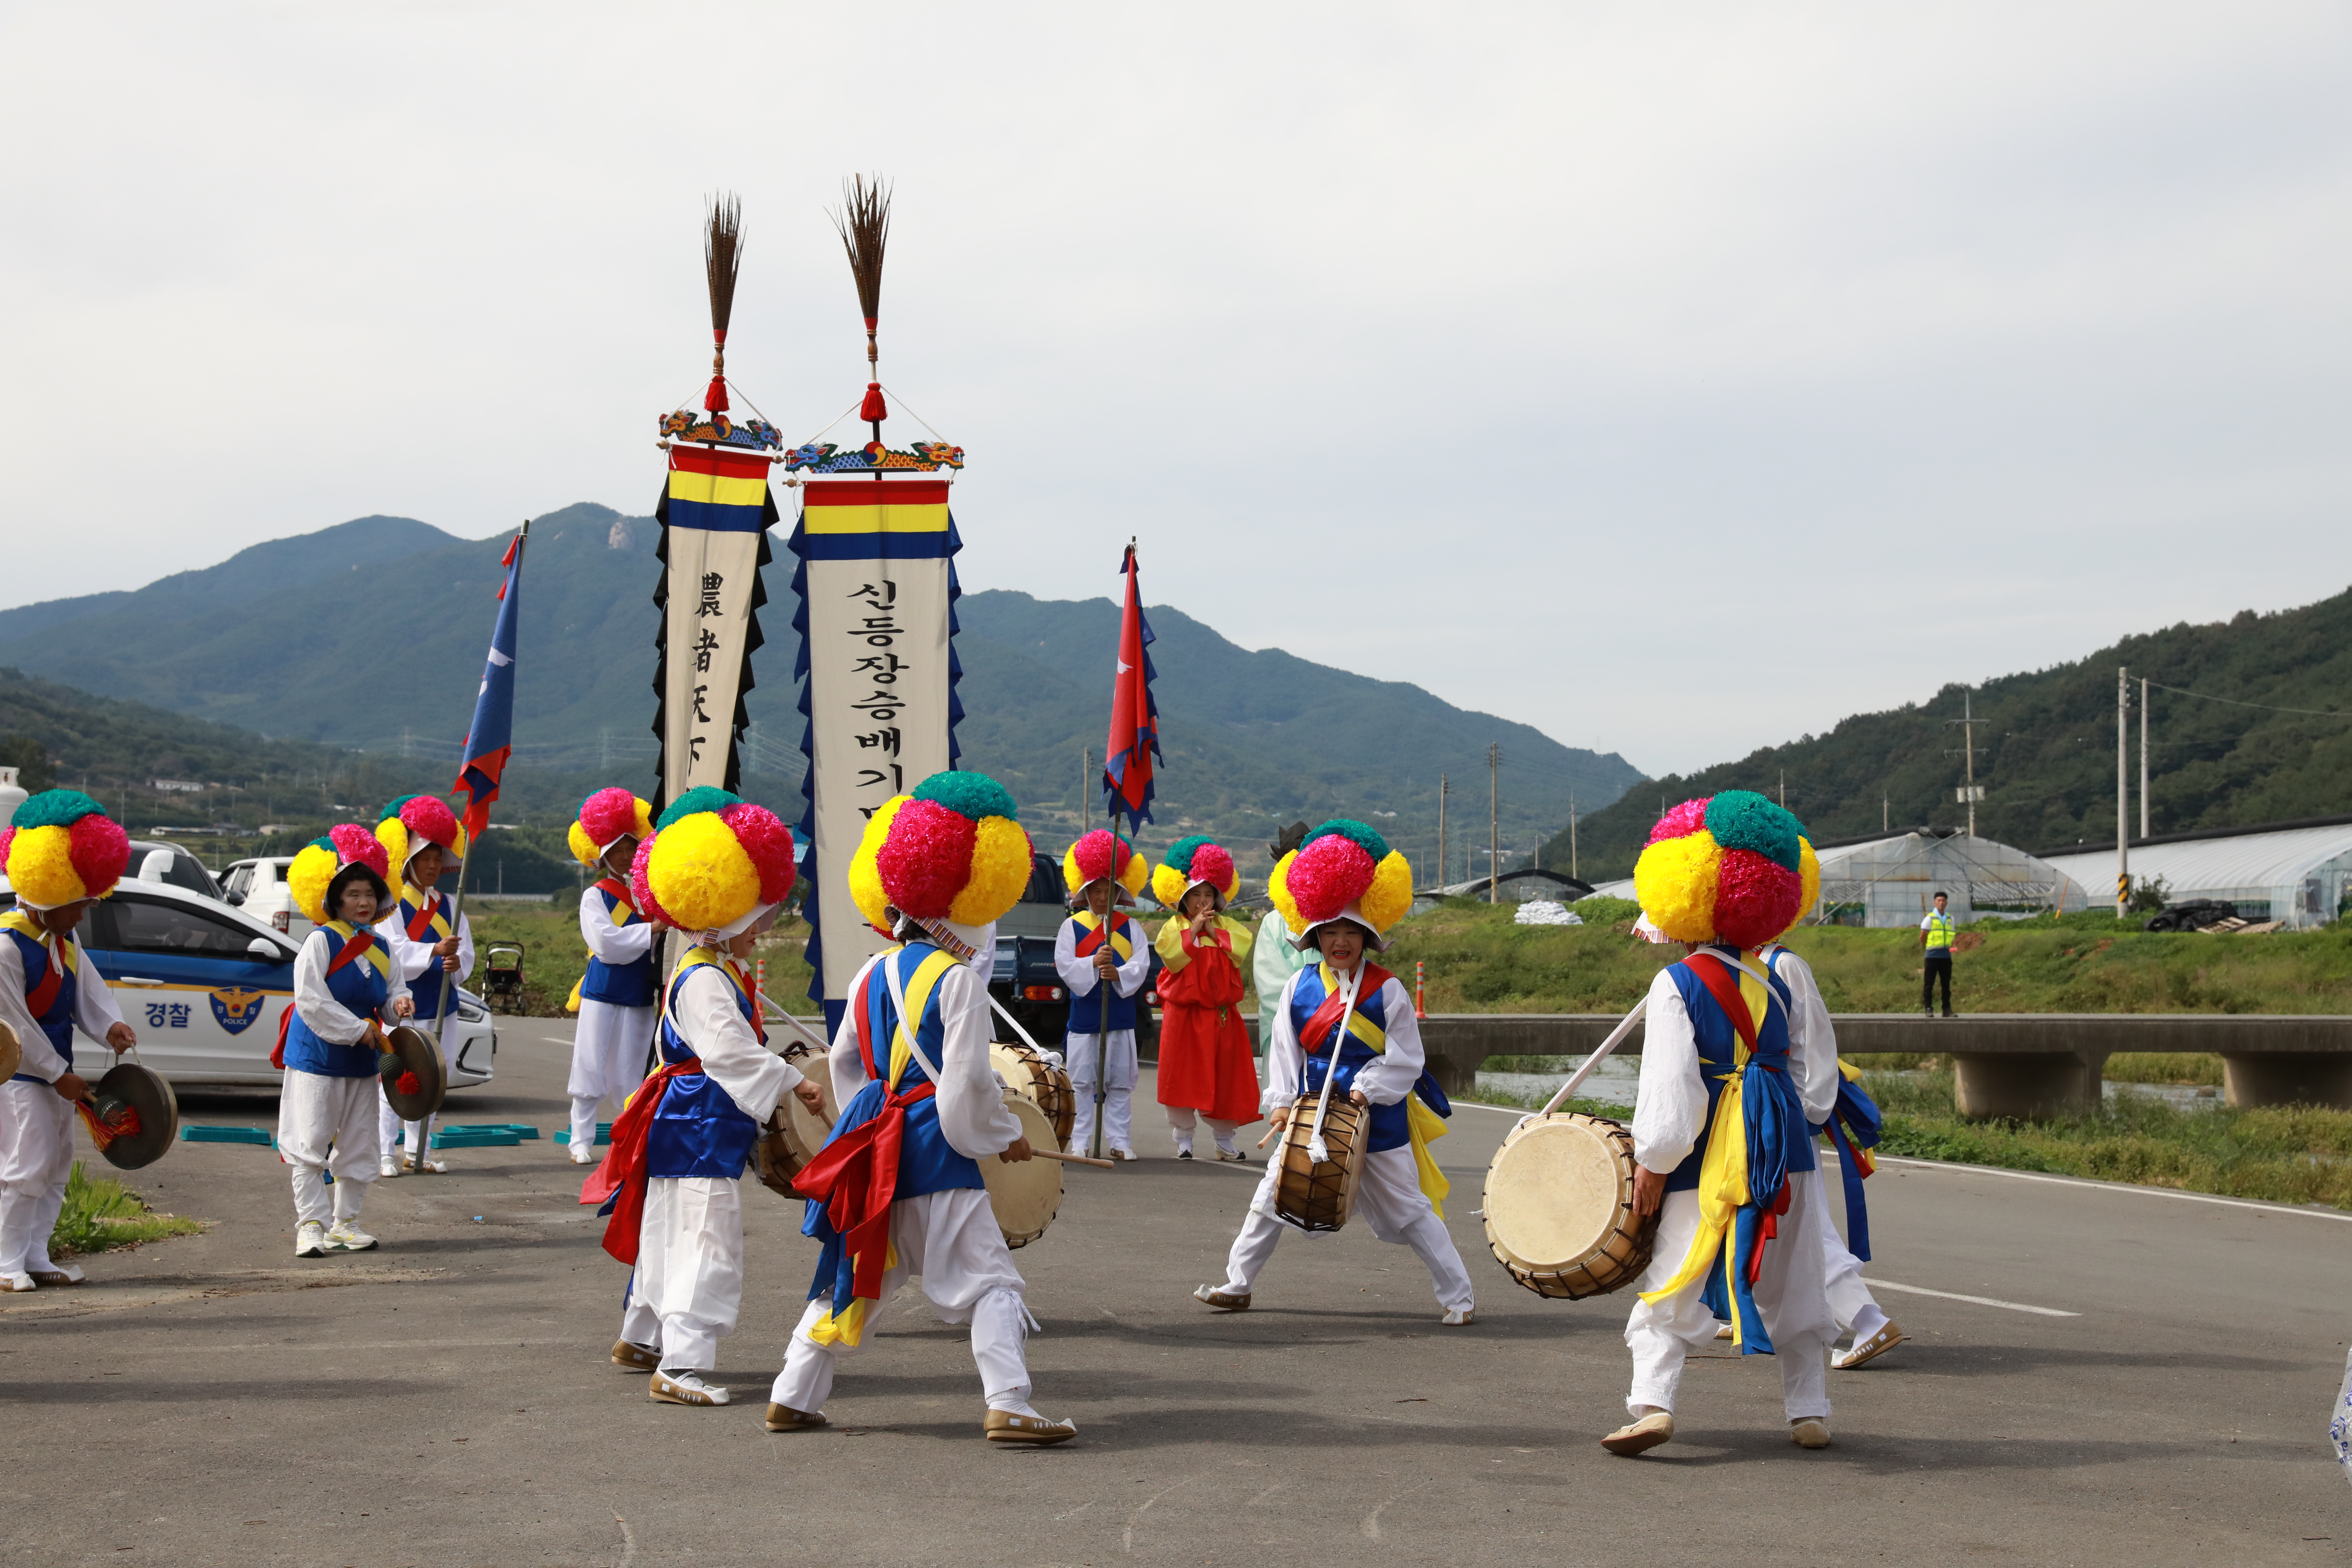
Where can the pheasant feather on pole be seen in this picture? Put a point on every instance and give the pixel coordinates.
(722, 254)
(864, 224)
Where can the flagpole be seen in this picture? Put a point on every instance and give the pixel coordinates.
(456, 920)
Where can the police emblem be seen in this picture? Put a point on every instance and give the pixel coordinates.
(236, 1008)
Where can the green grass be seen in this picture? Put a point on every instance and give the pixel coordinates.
(1478, 961)
(2294, 1154)
(104, 1214)
(555, 955)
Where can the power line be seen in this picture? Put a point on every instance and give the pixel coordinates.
(2265, 707)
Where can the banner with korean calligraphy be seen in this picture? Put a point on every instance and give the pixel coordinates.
(877, 616)
(715, 514)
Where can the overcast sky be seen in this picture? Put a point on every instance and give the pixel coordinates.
(1677, 379)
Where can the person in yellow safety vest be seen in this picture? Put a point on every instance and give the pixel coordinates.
(1935, 933)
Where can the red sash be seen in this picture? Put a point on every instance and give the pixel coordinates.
(1716, 975)
(423, 922)
(855, 1176)
(39, 999)
(623, 1167)
(1324, 1022)
(361, 940)
(620, 891)
(1088, 942)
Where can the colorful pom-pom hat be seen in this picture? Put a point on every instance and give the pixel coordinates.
(1195, 862)
(60, 848)
(1104, 854)
(951, 856)
(416, 822)
(1729, 868)
(1343, 870)
(605, 819)
(323, 867)
(713, 864)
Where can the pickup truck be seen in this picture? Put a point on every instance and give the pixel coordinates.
(1025, 980)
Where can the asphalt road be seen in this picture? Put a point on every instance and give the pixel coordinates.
(446, 1400)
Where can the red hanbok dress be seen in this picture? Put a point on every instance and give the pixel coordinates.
(1204, 1046)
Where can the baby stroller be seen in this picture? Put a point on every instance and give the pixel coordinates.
(502, 976)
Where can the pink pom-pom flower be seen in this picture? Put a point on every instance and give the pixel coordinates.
(769, 843)
(8, 836)
(1213, 864)
(1098, 856)
(100, 851)
(1328, 875)
(352, 842)
(926, 858)
(1755, 898)
(1682, 821)
(641, 891)
(429, 818)
(609, 814)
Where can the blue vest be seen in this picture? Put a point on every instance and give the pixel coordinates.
(360, 988)
(1087, 1012)
(1391, 1124)
(928, 1163)
(426, 990)
(698, 1129)
(58, 1022)
(629, 985)
(1778, 1139)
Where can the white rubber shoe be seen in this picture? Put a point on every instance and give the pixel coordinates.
(346, 1236)
(309, 1239)
(388, 1167)
(684, 1388)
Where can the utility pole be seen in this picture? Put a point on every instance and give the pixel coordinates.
(2142, 756)
(1493, 829)
(1571, 834)
(1884, 808)
(2123, 790)
(1085, 801)
(1784, 789)
(1441, 788)
(1968, 721)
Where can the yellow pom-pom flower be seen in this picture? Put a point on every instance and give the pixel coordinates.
(392, 834)
(1278, 888)
(1390, 897)
(1809, 877)
(1168, 885)
(1675, 882)
(865, 866)
(40, 866)
(314, 867)
(582, 849)
(1000, 872)
(700, 875)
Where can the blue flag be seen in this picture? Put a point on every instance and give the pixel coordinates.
(490, 741)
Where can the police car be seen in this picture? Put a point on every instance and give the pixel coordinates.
(205, 984)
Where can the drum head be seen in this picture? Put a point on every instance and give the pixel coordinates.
(418, 1056)
(1553, 1192)
(1026, 1195)
(12, 1054)
(159, 1115)
(1031, 1076)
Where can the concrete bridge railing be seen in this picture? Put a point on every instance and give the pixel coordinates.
(2024, 1065)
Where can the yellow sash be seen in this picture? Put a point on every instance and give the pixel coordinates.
(377, 951)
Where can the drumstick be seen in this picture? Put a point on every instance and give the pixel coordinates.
(1036, 1154)
(1616, 1037)
(766, 1002)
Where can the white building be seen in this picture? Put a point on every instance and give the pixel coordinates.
(2296, 872)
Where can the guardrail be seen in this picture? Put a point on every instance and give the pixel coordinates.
(2023, 1065)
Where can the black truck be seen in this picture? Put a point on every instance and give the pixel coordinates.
(1025, 980)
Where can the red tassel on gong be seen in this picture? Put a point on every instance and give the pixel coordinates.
(873, 409)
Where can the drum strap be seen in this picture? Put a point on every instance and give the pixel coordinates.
(618, 1185)
(39, 998)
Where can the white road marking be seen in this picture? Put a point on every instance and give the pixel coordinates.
(1877, 1284)
(1950, 1168)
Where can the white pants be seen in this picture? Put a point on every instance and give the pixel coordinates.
(329, 1124)
(1183, 1118)
(1388, 1198)
(951, 1241)
(1117, 1082)
(388, 1122)
(1790, 1294)
(610, 1047)
(1852, 1306)
(35, 1157)
(688, 1288)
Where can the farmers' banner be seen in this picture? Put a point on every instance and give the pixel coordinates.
(715, 514)
(878, 589)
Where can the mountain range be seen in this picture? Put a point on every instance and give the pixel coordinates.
(2249, 721)
(369, 636)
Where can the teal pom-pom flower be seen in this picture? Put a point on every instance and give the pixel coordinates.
(54, 808)
(1180, 854)
(968, 794)
(1742, 819)
(1364, 834)
(703, 797)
